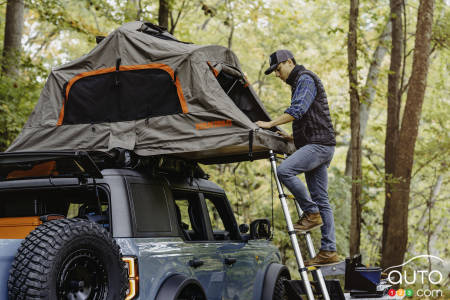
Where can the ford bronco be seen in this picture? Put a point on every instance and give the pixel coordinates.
(79, 225)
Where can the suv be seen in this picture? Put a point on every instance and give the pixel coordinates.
(79, 225)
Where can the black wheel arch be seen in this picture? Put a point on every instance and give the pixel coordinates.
(175, 284)
(273, 272)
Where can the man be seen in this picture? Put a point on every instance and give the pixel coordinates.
(314, 138)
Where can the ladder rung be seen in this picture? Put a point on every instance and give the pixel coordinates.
(297, 232)
(280, 156)
(303, 232)
(309, 269)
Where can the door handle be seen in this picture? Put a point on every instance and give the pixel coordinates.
(229, 260)
(195, 263)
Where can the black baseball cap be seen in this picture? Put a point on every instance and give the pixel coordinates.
(276, 58)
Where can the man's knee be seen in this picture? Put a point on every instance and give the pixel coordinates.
(282, 173)
(324, 206)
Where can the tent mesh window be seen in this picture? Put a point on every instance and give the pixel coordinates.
(238, 90)
(121, 96)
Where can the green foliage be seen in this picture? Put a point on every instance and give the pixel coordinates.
(57, 31)
(17, 98)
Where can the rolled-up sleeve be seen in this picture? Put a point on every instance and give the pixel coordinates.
(304, 95)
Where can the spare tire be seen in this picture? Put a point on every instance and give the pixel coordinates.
(68, 259)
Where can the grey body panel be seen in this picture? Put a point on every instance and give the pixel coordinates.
(160, 258)
(8, 249)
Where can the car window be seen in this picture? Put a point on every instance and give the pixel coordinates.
(28, 208)
(190, 216)
(222, 221)
(214, 216)
(150, 208)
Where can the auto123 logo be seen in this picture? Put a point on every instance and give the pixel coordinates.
(426, 278)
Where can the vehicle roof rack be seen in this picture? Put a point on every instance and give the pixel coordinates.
(170, 165)
(41, 164)
(160, 164)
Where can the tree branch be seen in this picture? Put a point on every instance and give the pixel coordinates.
(368, 154)
(174, 24)
(231, 24)
(404, 55)
(139, 12)
(438, 154)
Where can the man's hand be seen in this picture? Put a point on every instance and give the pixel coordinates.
(263, 124)
(283, 119)
(288, 137)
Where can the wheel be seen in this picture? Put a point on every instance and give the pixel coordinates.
(191, 293)
(280, 291)
(180, 287)
(68, 259)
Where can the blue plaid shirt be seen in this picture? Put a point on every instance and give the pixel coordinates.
(304, 95)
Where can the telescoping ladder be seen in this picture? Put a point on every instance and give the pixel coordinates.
(317, 274)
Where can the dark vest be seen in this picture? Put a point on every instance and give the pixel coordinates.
(315, 127)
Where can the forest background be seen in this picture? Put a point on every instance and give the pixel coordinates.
(53, 32)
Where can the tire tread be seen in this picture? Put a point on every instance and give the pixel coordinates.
(31, 267)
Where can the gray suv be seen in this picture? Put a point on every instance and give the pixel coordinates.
(78, 225)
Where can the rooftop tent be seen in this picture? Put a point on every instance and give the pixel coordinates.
(143, 90)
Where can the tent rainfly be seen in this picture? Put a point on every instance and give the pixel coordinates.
(141, 89)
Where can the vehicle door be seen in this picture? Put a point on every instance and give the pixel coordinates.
(240, 258)
(204, 260)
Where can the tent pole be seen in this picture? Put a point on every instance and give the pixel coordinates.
(292, 235)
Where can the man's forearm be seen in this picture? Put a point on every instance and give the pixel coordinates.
(283, 119)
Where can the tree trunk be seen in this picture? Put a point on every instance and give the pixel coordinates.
(13, 36)
(396, 235)
(369, 90)
(355, 225)
(163, 15)
(393, 113)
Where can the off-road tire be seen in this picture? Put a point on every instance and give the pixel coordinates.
(280, 291)
(191, 293)
(69, 248)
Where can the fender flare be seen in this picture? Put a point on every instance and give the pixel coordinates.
(172, 287)
(273, 271)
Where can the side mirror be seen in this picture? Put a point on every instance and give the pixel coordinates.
(243, 228)
(260, 229)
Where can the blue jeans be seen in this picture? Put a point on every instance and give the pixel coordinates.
(313, 160)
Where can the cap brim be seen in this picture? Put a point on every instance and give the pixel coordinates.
(270, 69)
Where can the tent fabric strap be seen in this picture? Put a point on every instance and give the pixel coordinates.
(116, 74)
(250, 144)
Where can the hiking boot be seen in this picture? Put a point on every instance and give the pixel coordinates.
(308, 221)
(323, 258)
